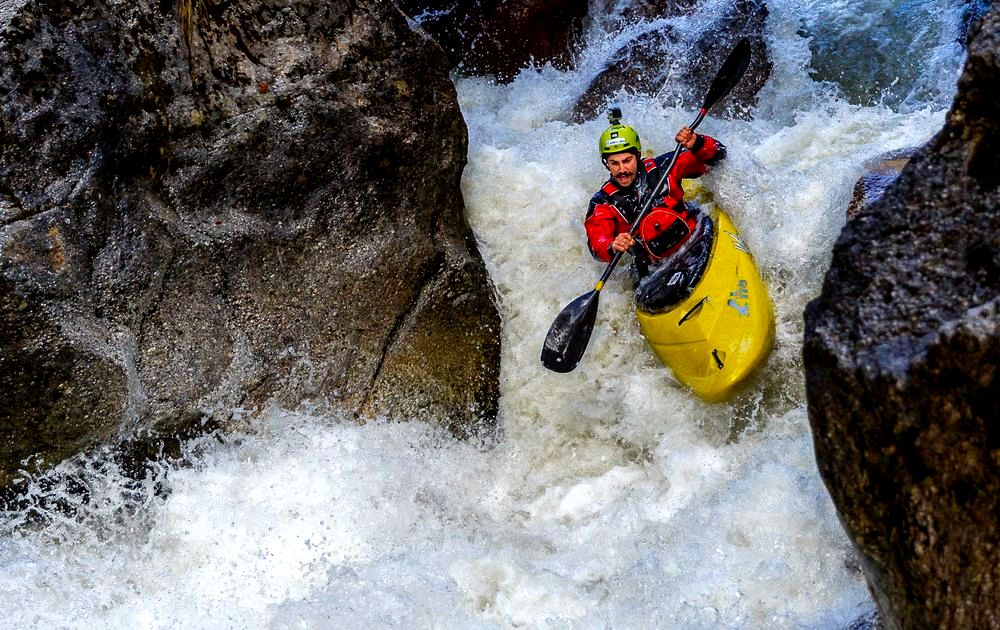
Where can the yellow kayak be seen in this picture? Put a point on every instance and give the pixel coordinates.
(723, 329)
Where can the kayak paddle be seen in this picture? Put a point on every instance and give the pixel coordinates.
(570, 331)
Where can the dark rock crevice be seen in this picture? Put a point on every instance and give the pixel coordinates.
(11, 208)
(501, 37)
(405, 316)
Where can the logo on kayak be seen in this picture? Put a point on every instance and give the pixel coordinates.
(739, 299)
(738, 243)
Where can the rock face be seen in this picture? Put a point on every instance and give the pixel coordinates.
(219, 204)
(501, 37)
(902, 351)
(876, 179)
(665, 63)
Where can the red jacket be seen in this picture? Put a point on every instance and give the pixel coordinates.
(613, 209)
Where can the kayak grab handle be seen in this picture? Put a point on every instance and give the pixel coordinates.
(718, 361)
(692, 310)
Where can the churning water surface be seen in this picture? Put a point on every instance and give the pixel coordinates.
(611, 497)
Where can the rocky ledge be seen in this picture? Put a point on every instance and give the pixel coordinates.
(901, 351)
(209, 206)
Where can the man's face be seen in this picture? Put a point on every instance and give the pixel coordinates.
(623, 167)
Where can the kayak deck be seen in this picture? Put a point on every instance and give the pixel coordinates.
(716, 338)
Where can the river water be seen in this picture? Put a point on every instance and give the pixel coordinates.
(611, 497)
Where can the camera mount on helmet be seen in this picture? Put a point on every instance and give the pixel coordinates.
(615, 115)
(618, 138)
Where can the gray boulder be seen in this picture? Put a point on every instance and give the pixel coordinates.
(213, 206)
(665, 64)
(878, 176)
(901, 352)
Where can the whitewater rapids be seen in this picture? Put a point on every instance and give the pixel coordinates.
(610, 497)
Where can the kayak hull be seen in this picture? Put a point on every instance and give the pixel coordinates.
(717, 337)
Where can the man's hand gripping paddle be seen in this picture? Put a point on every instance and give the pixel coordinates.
(570, 332)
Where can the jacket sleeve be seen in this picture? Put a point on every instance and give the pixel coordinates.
(694, 162)
(708, 150)
(600, 225)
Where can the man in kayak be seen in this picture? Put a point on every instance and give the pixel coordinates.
(617, 204)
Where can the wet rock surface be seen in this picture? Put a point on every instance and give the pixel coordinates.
(878, 176)
(501, 37)
(259, 202)
(901, 351)
(679, 67)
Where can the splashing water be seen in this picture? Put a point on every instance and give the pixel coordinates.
(613, 498)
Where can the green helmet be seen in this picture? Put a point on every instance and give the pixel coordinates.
(618, 137)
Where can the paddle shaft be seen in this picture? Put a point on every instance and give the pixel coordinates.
(646, 207)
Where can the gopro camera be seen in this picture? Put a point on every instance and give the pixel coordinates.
(615, 115)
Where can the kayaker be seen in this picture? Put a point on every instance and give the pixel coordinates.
(617, 204)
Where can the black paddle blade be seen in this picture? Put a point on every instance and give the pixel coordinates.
(729, 74)
(570, 333)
